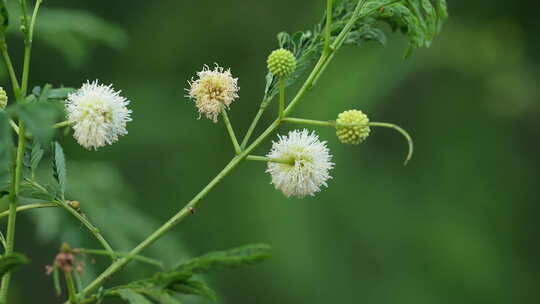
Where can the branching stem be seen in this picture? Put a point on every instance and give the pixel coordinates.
(30, 207)
(187, 210)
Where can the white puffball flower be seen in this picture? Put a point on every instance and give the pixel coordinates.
(98, 113)
(309, 164)
(213, 90)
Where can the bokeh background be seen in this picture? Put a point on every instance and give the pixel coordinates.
(458, 225)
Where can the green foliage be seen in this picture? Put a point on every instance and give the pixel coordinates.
(39, 117)
(238, 257)
(11, 262)
(36, 154)
(179, 280)
(419, 20)
(59, 167)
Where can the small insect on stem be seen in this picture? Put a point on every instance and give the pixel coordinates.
(192, 210)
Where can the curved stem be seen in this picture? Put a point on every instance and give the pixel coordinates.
(75, 213)
(135, 257)
(402, 132)
(230, 130)
(29, 207)
(89, 226)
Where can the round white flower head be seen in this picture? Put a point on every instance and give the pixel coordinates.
(213, 90)
(98, 113)
(309, 162)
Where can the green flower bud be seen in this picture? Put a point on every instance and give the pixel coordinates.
(281, 63)
(352, 135)
(3, 99)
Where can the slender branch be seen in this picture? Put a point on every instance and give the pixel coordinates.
(402, 132)
(328, 28)
(72, 292)
(269, 160)
(230, 130)
(62, 124)
(29, 207)
(119, 254)
(12, 217)
(14, 126)
(28, 45)
(75, 213)
(89, 226)
(188, 209)
(11, 71)
(281, 97)
(262, 108)
(311, 122)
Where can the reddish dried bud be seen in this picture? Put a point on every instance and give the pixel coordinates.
(65, 261)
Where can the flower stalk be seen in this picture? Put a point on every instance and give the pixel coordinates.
(230, 130)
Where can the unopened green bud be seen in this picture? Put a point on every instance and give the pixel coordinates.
(3, 99)
(352, 127)
(281, 63)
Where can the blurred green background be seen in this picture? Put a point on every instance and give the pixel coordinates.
(458, 225)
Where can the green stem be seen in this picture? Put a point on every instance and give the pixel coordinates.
(20, 94)
(230, 130)
(89, 226)
(72, 292)
(269, 160)
(14, 126)
(119, 254)
(328, 29)
(190, 207)
(262, 108)
(281, 97)
(28, 45)
(12, 217)
(29, 207)
(62, 124)
(402, 132)
(311, 122)
(11, 71)
(75, 213)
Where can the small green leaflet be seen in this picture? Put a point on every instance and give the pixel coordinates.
(132, 297)
(59, 167)
(234, 258)
(35, 156)
(12, 262)
(195, 287)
